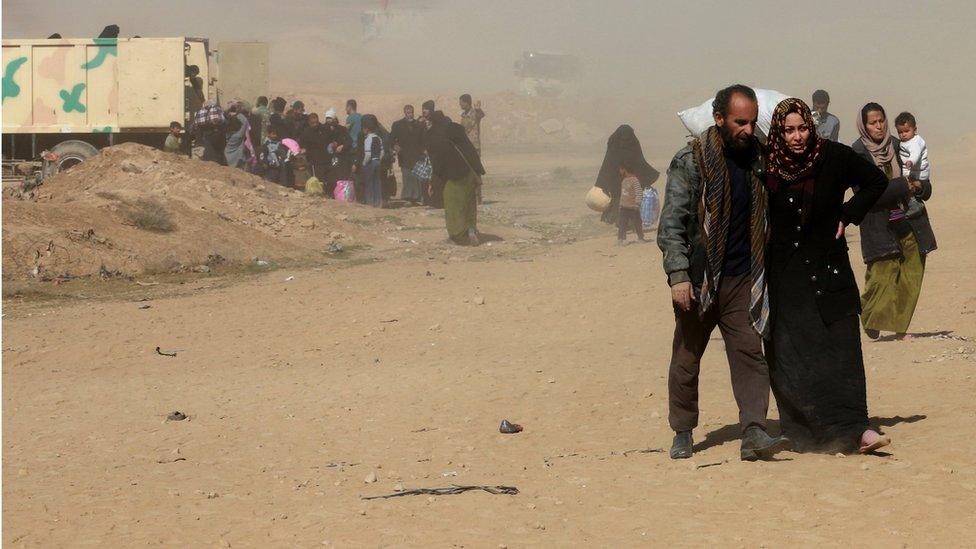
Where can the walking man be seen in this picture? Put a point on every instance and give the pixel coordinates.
(407, 135)
(715, 269)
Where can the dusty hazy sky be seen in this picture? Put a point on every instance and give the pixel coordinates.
(653, 58)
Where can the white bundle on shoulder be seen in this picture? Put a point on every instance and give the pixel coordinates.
(698, 119)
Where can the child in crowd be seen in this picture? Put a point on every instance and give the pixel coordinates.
(275, 158)
(914, 156)
(913, 151)
(630, 197)
(173, 139)
(373, 153)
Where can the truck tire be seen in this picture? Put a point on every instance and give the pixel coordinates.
(70, 153)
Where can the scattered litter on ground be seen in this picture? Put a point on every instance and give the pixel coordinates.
(452, 490)
(509, 428)
(548, 460)
(643, 451)
(163, 353)
(339, 464)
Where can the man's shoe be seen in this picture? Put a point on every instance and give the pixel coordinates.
(757, 444)
(681, 448)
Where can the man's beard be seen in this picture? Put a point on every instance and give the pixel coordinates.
(731, 142)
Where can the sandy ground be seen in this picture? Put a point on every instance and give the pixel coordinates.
(298, 391)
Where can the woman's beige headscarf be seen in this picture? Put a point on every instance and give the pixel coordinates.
(883, 153)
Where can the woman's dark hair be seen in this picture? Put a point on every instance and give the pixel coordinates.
(279, 104)
(370, 123)
(352, 103)
(723, 99)
(438, 118)
(871, 107)
(262, 101)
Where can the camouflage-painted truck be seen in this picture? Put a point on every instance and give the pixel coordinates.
(63, 99)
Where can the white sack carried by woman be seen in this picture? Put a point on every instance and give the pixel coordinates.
(698, 119)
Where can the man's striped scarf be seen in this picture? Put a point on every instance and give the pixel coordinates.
(714, 211)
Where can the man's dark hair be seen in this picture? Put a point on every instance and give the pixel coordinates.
(405, 107)
(821, 96)
(871, 107)
(191, 70)
(174, 124)
(723, 99)
(298, 105)
(273, 129)
(905, 118)
(262, 101)
(278, 105)
(428, 105)
(352, 103)
(466, 98)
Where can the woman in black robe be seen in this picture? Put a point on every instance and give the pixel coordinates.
(814, 350)
(623, 143)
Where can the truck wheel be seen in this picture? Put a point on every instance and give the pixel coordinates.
(70, 153)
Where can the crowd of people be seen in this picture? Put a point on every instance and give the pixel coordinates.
(753, 239)
(351, 160)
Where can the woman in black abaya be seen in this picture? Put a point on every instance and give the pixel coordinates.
(622, 143)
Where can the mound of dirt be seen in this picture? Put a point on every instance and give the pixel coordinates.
(134, 209)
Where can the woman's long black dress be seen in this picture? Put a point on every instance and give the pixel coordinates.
(814, 350)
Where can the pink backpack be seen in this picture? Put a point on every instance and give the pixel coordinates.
(345, 191)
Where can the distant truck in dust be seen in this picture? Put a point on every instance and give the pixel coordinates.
(63, 99)
(545, 74)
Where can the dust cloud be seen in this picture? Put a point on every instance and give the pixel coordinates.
(642, 60)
